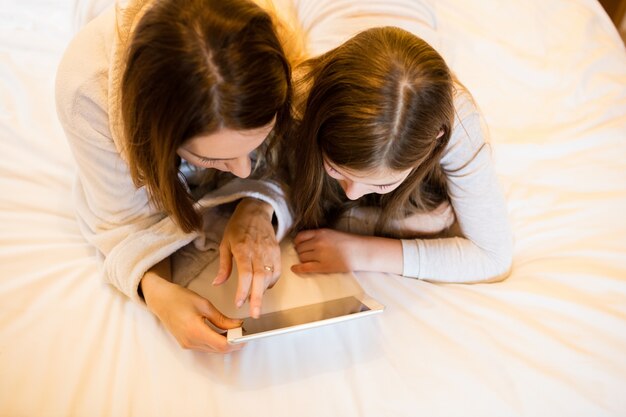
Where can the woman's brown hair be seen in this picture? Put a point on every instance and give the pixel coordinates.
(380, 100)
(193, 67)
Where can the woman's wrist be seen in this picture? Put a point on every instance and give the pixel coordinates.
(156, 279)
(252, 205)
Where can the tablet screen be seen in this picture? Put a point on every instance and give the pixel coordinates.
(302, 315)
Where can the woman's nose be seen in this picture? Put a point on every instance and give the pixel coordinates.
(241, 167)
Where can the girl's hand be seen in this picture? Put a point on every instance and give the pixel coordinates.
(327, 250)
(183, 313)
(250, 238)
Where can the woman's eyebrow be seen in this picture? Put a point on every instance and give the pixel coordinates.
(205, 158)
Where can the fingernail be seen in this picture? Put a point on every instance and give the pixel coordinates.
(255, 312)
(239, 303)
(214, 282)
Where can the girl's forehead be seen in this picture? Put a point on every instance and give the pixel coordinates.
(377, 175)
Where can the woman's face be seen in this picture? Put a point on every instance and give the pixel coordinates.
(356, 184)
(226, 149)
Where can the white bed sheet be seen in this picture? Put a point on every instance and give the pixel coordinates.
(550, 77)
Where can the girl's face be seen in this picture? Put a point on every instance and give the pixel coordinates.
(356, 184)
(225, 150)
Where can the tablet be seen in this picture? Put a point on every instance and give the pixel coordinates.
(304, 317)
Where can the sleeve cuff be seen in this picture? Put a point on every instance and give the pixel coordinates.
(261, 190)
(410, 259)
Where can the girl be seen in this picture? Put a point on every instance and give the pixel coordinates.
(391, 146)
(152, 97)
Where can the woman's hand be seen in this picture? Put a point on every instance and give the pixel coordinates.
(328, 251)
(183, 313)
(250, 238)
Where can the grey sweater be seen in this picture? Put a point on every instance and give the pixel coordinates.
(485, 250)
(478, 243)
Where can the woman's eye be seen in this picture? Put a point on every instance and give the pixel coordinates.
(207, 162)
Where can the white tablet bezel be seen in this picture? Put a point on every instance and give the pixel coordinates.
(235, 336)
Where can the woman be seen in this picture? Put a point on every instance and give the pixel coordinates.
(154, 98)
(391, 146)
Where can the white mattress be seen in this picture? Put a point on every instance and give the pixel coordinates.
(550, 77)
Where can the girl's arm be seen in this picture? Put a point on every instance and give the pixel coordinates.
(327, 251)
(484, 251)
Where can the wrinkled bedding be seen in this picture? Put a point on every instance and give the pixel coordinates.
(550, 77)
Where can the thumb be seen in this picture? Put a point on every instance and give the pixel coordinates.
(305, 268)
(226, 265)
(208, 310)
(222, 321)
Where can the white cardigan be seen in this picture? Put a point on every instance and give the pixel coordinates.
(130, 234)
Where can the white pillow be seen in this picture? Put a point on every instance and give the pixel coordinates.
(85, 10)
(329, 23)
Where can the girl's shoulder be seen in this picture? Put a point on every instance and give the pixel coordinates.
(469, 133)
(464, 103)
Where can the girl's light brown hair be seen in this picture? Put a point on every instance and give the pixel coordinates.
(193, 67)
(379, 100)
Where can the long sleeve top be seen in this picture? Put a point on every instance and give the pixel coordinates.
(482, 249)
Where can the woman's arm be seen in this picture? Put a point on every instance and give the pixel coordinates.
(183, 312)
(133, 239)
(250, 239)
(116, 217)
(130, 234)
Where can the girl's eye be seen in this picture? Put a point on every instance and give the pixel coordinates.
(384, 187)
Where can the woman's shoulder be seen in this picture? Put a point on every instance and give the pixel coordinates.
(288, 27)
(83, 69)
(81, 88)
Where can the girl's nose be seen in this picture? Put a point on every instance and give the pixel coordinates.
(353, 190)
